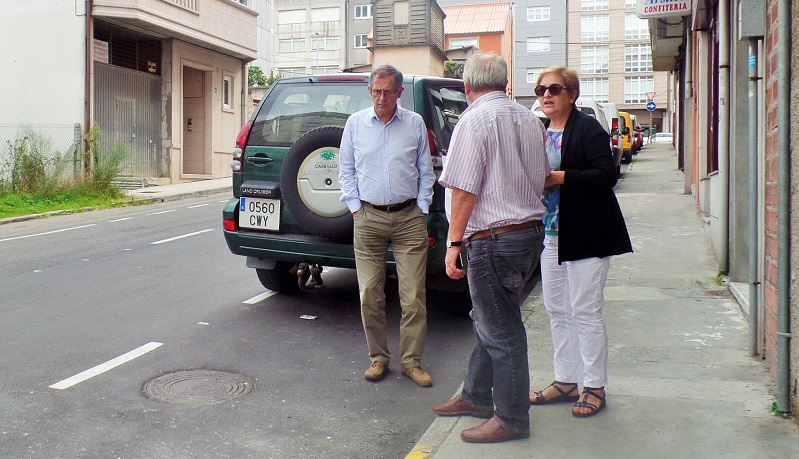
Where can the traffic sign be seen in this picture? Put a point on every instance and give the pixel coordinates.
(651, 106)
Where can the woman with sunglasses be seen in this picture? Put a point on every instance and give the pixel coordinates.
(584, 227)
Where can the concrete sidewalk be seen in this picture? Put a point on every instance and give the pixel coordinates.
(681, 382)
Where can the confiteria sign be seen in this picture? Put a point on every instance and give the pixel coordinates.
(663, 8)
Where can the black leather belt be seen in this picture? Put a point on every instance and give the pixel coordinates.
(391, 207)
(503, 229)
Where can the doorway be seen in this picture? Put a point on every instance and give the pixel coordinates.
(196, 157)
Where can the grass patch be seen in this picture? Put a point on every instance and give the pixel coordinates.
(73, 200)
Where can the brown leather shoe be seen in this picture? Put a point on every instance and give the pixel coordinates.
(491, 431)
(376, 371)
(457, 407)
(419, 376)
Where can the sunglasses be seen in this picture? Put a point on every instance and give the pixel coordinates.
(554, 89)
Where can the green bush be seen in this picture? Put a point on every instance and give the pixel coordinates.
(32, 166)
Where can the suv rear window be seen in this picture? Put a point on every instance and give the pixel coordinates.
(292, 109)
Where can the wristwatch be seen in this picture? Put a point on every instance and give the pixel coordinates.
(453, 243)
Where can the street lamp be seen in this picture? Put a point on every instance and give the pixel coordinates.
(317, 52)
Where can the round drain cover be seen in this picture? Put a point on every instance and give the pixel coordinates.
(198, 387)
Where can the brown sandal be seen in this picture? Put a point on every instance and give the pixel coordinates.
(590, 391)
(538, 396)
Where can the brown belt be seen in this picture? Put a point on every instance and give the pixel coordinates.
(391, 207)
(503, 229)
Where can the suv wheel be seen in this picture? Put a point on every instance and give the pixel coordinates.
(280, 279)
(309, 184)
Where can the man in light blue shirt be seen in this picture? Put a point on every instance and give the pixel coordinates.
(386, 177)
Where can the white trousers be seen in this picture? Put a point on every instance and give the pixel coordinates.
(573, 298)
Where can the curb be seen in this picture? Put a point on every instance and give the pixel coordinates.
(136, 200)
(433, 438)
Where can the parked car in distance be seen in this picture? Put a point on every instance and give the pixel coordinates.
(638, 135)
(626, 131)
(612, 115)
(285, 215)
(662, 137)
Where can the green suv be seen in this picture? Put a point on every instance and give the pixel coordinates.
(285, 215)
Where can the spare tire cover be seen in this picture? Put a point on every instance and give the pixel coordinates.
(309, 184)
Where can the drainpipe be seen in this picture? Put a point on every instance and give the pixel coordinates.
(753, 198)
(783, 203)
(87, 86)
(724, 132)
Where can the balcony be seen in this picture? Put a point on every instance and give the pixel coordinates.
(225, 26)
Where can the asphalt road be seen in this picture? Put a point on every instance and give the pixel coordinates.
(135, 293)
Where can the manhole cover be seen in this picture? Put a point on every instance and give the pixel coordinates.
(198, 387)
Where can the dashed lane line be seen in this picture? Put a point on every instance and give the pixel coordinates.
(120, 219)
(181, 236)
(48, 232)
(103, 367)
(198, 205)
(261, 297)
(162, 212)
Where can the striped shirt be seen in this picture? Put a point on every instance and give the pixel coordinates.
(497, 153)
(385, 164)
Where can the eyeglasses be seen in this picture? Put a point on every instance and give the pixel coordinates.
(554, 89)
(382, 92)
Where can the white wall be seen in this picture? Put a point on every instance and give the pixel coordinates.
(43, 56)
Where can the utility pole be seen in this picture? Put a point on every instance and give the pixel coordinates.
(317, 52)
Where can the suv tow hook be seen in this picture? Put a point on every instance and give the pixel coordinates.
(313, 272)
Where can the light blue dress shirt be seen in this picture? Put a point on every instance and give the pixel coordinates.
(385, 164)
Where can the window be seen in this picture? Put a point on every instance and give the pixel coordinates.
(363, 11)
(402, 13)
(638, 58)
(630, 3)
(291, 31)
(361, 41)
(462, 42)
(635, 28)
(635, 89)
(594, 5)
(290, 45)
(288, 72)
(596, 88)
(227, 92)
(325, 43)
(594, 59)
(537, 44)
(538, 13)
(532, 74)
(595, 28)
(326, 69)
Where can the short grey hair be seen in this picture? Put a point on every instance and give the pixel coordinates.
(486, 72)
(387, 70)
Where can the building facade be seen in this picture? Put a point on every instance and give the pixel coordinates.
(165, 79)
(615, 62)
(735, 64)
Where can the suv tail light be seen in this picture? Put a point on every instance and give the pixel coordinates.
(238, 152)
(435, 152)
(614, 131)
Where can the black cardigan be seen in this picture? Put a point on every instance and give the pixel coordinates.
(590, 220)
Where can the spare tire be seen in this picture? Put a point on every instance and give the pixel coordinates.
(309, 184)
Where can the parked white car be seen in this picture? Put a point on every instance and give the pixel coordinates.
(662, 137)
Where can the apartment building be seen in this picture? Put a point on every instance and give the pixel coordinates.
(610, 46)
(320, 36)
(539, 40)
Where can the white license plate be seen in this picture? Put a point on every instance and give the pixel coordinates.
(259, 213)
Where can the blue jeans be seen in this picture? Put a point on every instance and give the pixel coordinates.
(498, 377)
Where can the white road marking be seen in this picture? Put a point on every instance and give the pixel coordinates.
(260, 297)
(224, 200)
(103, 367)
(198, 205)
(162, 212)
(48, 232)
(181, 237)
(120, 219)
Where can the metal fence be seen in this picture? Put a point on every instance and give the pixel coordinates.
(56, 143)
